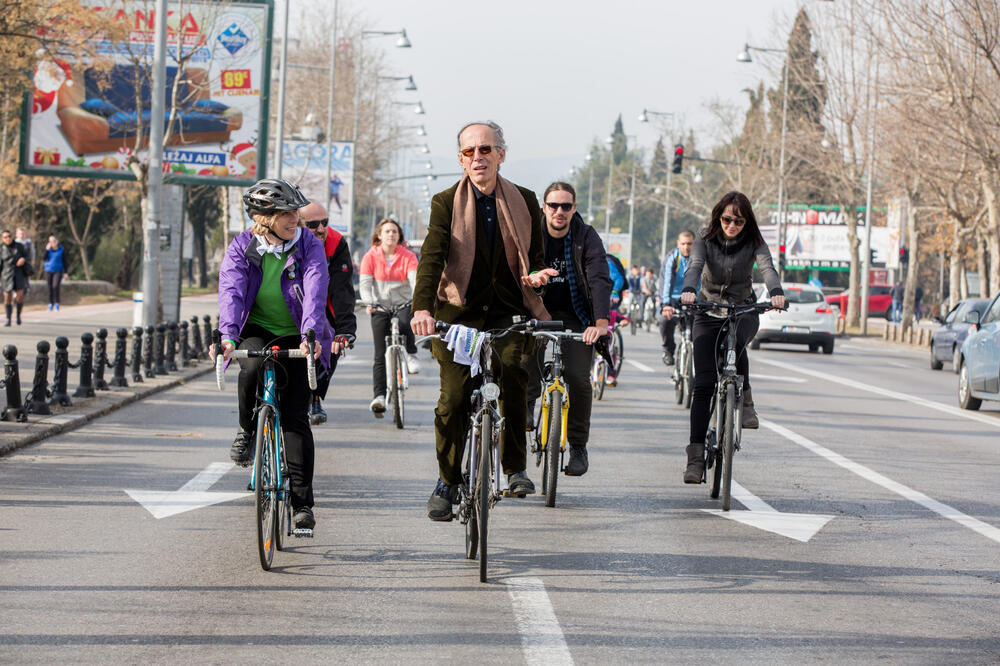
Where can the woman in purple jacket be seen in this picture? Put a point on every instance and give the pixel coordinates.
(272, 288)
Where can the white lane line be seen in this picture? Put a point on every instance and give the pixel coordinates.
(541, 636)
(906, 492)
(641, 366)
(900, 365)
(776, 378)
(923, 402)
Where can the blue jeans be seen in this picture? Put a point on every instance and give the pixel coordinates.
(897, 311)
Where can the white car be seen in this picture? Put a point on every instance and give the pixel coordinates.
(809, 320)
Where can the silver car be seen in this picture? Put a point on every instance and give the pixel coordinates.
(809, 320)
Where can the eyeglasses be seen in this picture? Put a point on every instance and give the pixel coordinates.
(555, 205)
(738, 221)
(312, 224)
(483, 150)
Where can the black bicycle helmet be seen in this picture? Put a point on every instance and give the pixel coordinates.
(271, 195)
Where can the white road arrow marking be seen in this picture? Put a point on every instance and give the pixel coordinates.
(192, 495)
(760, 514)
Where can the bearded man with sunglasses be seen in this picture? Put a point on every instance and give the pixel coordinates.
(580, 297)
(340, 296)
(481, 264)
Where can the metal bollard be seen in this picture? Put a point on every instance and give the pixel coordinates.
(60, 373)
(160, 367)
(101, 359)
(147, 353)
(14, 411)
(86, 365)
(136, 363)
(119, 363)
(171, 355)
(35, 402)
(185, 348)
(206, 335)
(196, 345)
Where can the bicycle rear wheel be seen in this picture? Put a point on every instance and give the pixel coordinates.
(598, 376)
(399, 367)
(550, 475)
(483, 489)
(678, 379)
(468, 501)
(265, 493)
(728, 445)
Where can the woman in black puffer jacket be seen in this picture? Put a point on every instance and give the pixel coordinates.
(723, 257)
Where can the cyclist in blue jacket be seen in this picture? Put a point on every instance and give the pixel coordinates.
(671, 286)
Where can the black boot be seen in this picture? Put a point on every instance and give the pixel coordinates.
(10, 311)
(696, 463)
(749, 417)
(578, 463)
(19, 306)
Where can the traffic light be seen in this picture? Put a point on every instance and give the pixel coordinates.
(678, 158)
(871, 257)
(781, 257)
(904, 256)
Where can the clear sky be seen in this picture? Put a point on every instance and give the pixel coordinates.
(556, 73)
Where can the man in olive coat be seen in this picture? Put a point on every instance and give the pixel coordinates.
(480, 265)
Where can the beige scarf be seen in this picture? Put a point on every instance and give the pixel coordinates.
(514, 221)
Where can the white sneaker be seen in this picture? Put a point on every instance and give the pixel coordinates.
(378, 405)
(412, 364)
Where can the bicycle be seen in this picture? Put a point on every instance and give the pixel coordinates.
(396, 374)
(268, 477)
(722, 440)
(552, 416)
(480, 488)
(635, 314)
(600, 371)
(649, 313)
(683, 374)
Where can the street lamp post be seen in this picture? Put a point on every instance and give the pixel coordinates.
(611, 172)
(644, 118)
(744, 56)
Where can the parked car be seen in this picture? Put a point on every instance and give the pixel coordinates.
(947, 339)
(979, 366)
(809, 320)
(879, 301)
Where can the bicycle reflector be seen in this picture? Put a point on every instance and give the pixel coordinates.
(490, 391)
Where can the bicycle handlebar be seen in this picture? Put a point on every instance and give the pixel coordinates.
(391, 311)
(734, 309)
(273, 352)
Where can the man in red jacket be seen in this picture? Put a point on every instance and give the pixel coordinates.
(340, 297)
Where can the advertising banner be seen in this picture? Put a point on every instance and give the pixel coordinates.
(88, 117)
(618, 244)
(821, 247)
(305, 164)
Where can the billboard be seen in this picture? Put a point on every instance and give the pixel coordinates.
(305, 164)
(88, 117)
(618, 244)
(816, 236)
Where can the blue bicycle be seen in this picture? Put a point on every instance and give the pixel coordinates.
(269, 478)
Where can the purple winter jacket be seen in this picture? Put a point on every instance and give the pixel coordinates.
(304, 285)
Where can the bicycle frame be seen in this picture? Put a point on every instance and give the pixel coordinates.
(277, 442)
(484, 399)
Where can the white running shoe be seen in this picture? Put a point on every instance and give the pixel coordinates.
(412, 364)
(378, 405)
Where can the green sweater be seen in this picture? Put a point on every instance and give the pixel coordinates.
(269, 309)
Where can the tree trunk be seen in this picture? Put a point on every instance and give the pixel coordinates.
(981, 266)
(955, 273)
(854, 294)
(992, 237)
(913, 270)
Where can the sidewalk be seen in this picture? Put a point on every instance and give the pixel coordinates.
(73, 321)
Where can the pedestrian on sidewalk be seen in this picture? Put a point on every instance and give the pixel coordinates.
(54, 270)
(896, 294)
(13, 274)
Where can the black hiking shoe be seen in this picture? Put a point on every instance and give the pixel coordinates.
(578, 463)
(304, 519)
(242, 450)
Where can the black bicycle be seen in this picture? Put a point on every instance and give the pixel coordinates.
(722, 440)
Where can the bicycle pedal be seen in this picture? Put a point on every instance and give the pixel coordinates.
(302, 532)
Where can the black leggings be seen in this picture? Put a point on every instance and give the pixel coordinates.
(53, 280)
(294, 398)
(707, 335)
(380, 331)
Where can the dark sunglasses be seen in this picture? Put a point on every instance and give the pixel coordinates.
(738, 221)
(312, 224)
(554, 205)
(483, 150)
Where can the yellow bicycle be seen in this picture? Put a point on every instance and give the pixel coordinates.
(552, 415)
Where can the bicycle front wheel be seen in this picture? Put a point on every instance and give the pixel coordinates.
(399, 367)
(550, 475)
(598, 377)
(483, 489)
(265, 490)
(619, 353)
(728, 445)
(468, 501)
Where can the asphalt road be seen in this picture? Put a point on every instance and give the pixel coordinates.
(884, 494)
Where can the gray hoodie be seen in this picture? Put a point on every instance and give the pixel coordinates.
(725, 268)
